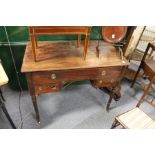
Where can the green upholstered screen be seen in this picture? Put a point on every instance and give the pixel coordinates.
(19, 36)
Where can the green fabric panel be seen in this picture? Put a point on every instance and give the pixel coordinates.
(16, 33)
(19, 34)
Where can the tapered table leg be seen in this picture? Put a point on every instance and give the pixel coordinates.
(113, 92)
(34, 100)
(33, 96)
(110, 99)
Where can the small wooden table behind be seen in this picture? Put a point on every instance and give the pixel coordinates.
(59, 30)
(62, 63)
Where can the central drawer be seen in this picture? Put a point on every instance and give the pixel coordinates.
(47, 88)
(76, 75)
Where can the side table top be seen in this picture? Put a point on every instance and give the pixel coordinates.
(62, 55)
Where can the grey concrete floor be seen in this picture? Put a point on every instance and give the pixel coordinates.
(76, 107)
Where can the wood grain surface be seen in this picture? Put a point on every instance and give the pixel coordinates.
(62, 55)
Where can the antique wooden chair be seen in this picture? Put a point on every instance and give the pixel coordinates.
(136, 118)
(148, 66)
(59, 30)
(3, 81)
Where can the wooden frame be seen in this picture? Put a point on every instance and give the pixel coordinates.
(59, 30)
(114, 34)
(133, 41)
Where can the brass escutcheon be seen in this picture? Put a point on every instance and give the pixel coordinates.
(52, 87)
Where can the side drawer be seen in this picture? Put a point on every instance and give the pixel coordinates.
(51, 87)
(109, 74)
(102, 83)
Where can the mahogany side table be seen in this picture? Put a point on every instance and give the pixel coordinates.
(66, 65)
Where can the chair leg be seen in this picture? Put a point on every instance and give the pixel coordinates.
(145, 93)
(115, 124)
(133, 82)
(7, 114)
(1, 95)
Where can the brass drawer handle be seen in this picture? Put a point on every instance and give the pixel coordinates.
(103, 73)
(112, 80)
(100, 81)
(53, 76)
(40, 88)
